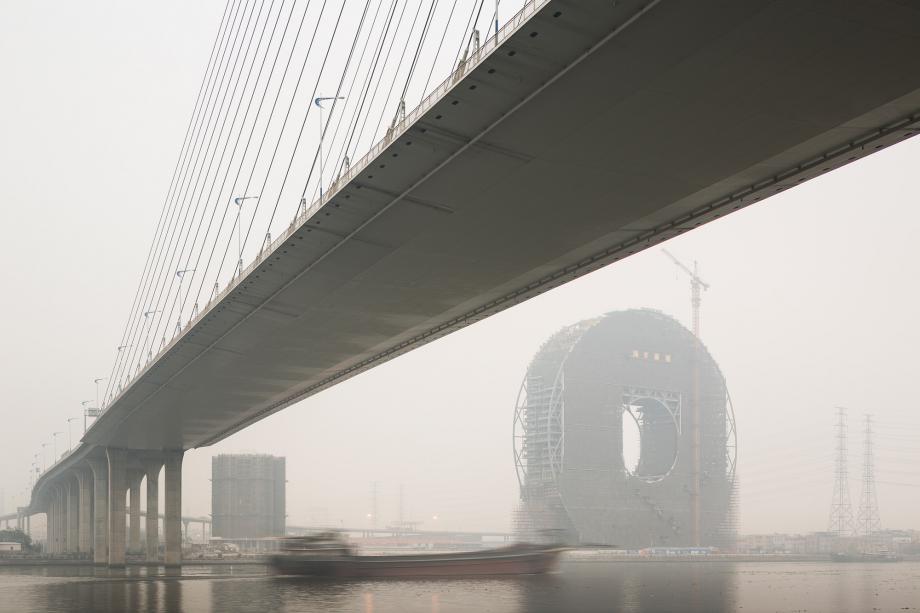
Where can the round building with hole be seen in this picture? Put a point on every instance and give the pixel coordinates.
(624, 436)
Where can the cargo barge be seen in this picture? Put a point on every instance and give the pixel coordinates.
(328, 555)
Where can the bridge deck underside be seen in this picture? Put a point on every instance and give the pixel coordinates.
(565, 149)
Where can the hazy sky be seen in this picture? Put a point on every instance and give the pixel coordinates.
(813, 303)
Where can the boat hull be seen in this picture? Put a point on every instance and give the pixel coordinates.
(515, 560)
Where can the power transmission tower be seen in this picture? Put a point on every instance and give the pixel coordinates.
(374, 504)
(841, 521)
(867, 517)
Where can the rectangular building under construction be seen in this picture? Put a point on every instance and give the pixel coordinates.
(247, 495)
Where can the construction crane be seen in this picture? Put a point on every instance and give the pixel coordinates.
(697, 285)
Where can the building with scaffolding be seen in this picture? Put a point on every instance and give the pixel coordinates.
(580, 389)
(247, 496)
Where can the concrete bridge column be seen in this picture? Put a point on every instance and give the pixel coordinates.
(117, 488)
(100, 470)
(72, 500)
(49, 537)
(47, 548)
(173, 523)
(57, 520)
(153, 510)
(51, 517)
(134, 510)
(62, 520)
(85, 501)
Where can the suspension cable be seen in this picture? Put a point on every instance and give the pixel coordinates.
(121, 356)
(278, 142)
(239, 136)
(175, 227)
(219, 164)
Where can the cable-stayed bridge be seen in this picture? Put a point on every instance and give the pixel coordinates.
(576, 134)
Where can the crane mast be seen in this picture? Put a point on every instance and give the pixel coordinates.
(697, 285)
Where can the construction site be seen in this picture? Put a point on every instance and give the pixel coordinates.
(247, 496)
(636, 371)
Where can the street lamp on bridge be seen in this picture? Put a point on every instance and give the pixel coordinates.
(238, 201)
(69, 434)
(319, 104)
(54, 436)
(97, 382)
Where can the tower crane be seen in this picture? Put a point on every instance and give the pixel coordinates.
(697, 285)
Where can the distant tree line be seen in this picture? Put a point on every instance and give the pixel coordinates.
(16, 536)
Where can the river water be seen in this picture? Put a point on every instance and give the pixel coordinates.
(639, 587)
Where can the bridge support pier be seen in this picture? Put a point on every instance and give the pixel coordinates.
(117, 488)
(153, 509)
(134, 510)
(72, 500)
(57, 514)
(50, 518)
(47, 548)
(100, 470)
(85, 497)
(173, 522)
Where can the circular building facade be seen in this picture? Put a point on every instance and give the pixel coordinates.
(643, 371)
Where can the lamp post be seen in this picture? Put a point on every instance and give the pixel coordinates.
(86, 412)
(54, 436)
(319, 104)
(69, 435)
(97, 382)
(181, 274)
(238, 201)
(44, 465)
(496, 22)
(114, 391)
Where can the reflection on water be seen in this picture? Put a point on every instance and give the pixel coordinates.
(617, 586)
